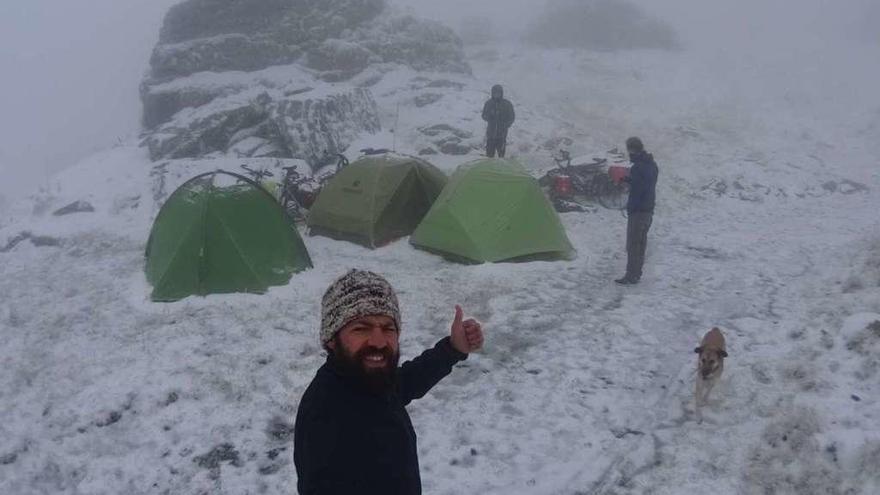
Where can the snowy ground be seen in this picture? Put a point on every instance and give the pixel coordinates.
(766, 227)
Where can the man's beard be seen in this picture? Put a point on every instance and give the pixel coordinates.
(376, 380)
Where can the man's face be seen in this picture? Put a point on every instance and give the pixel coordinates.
(369, 346)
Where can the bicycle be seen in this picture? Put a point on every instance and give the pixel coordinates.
(257, 175)
(298, 192)
(566, 182)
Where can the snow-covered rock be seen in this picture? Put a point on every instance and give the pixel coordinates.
(237, 78)
(302, 125)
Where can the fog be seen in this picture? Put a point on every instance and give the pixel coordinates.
(72, 69)
(70, 81)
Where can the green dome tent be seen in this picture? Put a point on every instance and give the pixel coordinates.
(376, 199)
(493, 210)
(208, 239)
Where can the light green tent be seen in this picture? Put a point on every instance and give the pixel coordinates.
(376, 199)
(208, 239)
(493, 210)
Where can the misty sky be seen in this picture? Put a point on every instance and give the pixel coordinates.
(71, 69)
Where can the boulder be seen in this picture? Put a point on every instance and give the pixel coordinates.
(36, 240)
(79, 206)
(236, 77)
(220, 53)
(453, 146)
(311, 127)
(444, 130)
(339, 55)
(208, 133)
(218, 35)
(421, 44)
(161, 103)
(303, 125)
(426, 99)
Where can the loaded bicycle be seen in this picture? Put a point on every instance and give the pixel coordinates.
(568, 185)
(296, 192)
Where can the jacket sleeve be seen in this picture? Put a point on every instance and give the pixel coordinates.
(486, 113)
(511, 115)
(418, 376)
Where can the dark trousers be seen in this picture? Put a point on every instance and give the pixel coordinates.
(637, 225)
(495, 145)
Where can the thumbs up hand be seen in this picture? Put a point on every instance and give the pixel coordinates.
(466, 335)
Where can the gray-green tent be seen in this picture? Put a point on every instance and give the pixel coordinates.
(376, 199)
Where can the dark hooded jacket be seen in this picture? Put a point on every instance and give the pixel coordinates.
(642, 183)
(351, 441)
(498, 114)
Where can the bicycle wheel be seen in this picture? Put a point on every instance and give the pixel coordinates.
(610, 195)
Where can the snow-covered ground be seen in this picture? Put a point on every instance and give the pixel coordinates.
(766, 226)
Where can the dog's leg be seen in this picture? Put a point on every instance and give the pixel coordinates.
(698, 396)
(709, 386)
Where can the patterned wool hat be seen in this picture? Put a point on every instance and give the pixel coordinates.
(355, 294)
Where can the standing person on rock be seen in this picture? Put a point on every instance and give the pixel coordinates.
(642, 180)
(352, 433)
(499, 116)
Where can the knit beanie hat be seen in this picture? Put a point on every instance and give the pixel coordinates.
(357, 293)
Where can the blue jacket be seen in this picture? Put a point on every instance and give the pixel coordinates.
(642, 183)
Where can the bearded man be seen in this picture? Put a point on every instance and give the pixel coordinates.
(352, 433)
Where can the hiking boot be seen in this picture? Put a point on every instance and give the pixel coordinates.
(626, 281)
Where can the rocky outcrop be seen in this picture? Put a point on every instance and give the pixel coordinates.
(448, 140)
(305, 125)
(237, 77)
(420, 44)
(219, 53)
(249, 35)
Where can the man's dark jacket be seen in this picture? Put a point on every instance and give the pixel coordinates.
(642, 183)
(349, 440)
(498, 113)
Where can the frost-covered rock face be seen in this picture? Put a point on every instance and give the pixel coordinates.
(303, 125)
(219, 35)
(237, 77)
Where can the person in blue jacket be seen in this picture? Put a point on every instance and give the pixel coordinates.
(642, 180)
(352, 434)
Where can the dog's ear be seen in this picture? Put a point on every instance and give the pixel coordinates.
(698, 350)
(722, 353)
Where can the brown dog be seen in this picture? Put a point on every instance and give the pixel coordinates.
(712, 352)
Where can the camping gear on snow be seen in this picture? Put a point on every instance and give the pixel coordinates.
(209, 239)
(617, 173)
(493, 210)
(376, 199)
(590, 178)
(562, 186)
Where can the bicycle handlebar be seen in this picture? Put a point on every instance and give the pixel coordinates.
(257, 174)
